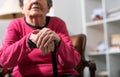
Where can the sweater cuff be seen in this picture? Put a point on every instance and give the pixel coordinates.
(31, 44)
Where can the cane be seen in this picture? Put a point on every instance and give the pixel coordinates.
(54, 61)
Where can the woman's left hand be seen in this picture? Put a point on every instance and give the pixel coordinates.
(45, 39)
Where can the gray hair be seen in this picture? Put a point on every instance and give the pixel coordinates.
(49, 3)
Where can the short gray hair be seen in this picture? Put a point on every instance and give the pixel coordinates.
(50, 3)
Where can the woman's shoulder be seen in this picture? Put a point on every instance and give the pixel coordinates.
(18, 20)
(55, 18)
(15, 23)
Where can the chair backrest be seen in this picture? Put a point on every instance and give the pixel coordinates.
(79, 42)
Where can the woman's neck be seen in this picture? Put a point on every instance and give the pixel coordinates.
(36, 21)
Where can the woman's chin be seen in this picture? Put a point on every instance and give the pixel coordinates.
(36, 14)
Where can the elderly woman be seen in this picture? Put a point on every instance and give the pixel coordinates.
(29, 41)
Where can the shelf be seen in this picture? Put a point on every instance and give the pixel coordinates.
(97, 53)
(90, 7)
(115, 52)
(100, 31)
(94, 23)
(112, 19)
(103, 53)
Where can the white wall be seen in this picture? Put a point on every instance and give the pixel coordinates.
(3, 25)
(70, 12)
(2, 2)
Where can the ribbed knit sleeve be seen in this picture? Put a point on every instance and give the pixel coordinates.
(14, 47)
(68, 56)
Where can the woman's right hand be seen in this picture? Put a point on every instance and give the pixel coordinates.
(44, 40)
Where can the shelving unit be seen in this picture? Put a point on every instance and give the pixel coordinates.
(101, 31)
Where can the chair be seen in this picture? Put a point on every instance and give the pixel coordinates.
(79, 42)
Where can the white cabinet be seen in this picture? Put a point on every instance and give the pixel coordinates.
(101, 20)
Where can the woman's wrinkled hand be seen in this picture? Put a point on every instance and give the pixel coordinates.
(44, 39)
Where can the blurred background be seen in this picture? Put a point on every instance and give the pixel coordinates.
(98, 19)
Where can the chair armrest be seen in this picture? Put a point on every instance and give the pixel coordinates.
(91, 64)
(92, 67)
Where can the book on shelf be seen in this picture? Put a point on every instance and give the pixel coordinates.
(97, 14)
(114, 12)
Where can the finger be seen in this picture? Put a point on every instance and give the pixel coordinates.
(49, 48)
(36, 31)
(44, 37)
(33, 36)
(43, 50)
(40, 37)
(50, 39)
(44, 40)
(52, 46)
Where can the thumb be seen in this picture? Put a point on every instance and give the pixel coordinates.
(36, 31)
